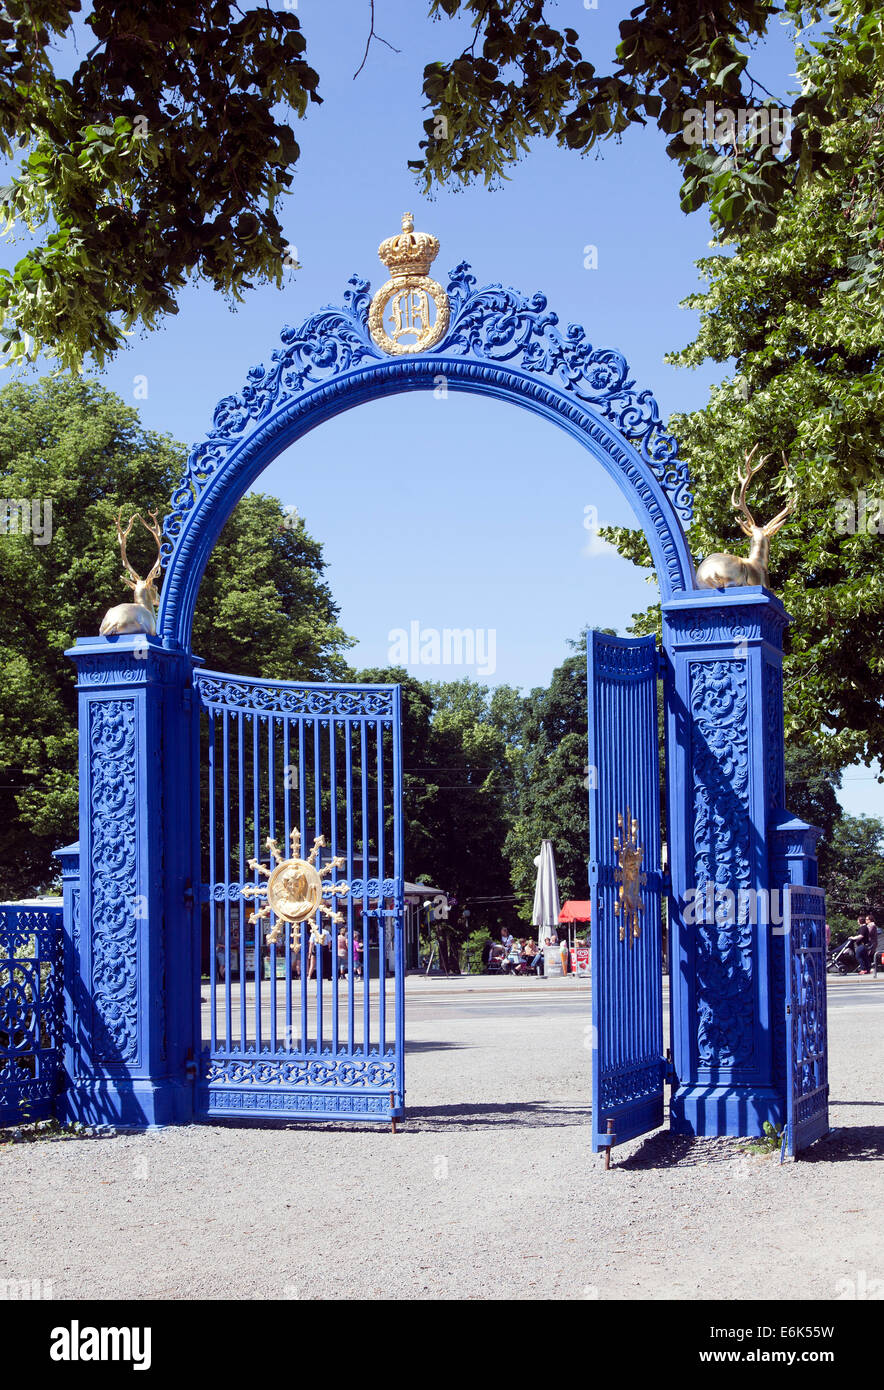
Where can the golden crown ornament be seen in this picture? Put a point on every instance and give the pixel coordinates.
(407, 295)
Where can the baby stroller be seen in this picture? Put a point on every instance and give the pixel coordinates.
(495, 956)
(842, 960)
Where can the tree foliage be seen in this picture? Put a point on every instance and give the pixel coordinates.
(263, 607)
(165, 151)
(553, 800)
(160, 156)
(522, 78)
(805, 334)
(855, 881)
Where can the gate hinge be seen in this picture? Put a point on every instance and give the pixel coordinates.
(669, 1077)
(188, 895)
(187, 699)
(190, 1069)
(661, 662)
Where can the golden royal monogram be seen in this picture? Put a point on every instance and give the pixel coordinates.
(628, 903)
(409, 294)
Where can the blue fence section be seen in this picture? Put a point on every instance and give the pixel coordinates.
(31, 1010)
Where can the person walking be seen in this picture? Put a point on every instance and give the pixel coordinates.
(320, 953)
(860, 942)
(872, 929)
(342, 953)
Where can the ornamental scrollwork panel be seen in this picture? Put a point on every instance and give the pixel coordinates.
(220, 1102)
(303, 1070)
(725, 985)
(774, 754)
(113, 880)
(501, 325)
(490, 325)
(231, 692)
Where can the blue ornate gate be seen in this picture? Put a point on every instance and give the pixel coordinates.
(807, 1080)
(134, 1053)
(302, 875)
(30, 1011)
(626, 889)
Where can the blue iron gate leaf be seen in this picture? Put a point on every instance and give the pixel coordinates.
(626, 889)
(807, 1075)
(31, 945)
(306, 1019)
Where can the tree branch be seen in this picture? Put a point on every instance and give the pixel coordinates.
(372, 35)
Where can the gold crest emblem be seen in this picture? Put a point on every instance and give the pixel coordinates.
(409, 294)
(295, 888)
(628, 903)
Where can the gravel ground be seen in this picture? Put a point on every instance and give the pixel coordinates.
(488, 1191)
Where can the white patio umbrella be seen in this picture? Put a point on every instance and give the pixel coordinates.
(546, 895)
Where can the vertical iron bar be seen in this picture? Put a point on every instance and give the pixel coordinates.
(318, 918)
(398, 874)
(382, 921)
(225, 804)
(348, 792)
(256, 812)
(213, 916)
(302, 928)
(366, 929)
(271, 817)
(241, 826)
(333, 819)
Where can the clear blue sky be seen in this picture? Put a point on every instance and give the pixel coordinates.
(463, 513)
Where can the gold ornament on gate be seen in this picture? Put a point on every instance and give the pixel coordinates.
(409, 294)
(295, 888)
(628, 873)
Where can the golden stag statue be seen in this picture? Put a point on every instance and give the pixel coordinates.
(140, 616)
(722, 571)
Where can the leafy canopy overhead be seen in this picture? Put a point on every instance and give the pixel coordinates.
(158, 157)
(805, 334)
(164, 152)
(521, 78)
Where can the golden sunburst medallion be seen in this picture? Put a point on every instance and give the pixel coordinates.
(628, 903)
(295, 888)
(400, 318)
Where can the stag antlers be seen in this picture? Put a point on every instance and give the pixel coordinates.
(748, 524)
(723, 571)
(139, 616)
(131, 577)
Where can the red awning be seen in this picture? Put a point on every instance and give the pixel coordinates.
(575, 910)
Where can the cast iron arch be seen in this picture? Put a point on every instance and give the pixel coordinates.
(499, 344)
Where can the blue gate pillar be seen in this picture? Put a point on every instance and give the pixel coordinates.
(133, 937)
(724, 703)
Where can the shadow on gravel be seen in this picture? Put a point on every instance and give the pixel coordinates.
(856, 1143)
(432, 1046)
(532, 1114)
(664, 1150)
